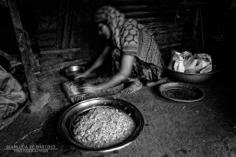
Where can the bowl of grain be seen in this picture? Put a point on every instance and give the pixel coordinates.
(101, 124)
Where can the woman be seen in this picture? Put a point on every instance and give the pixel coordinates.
(135, 54)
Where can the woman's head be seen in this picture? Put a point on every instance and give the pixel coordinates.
(104, 30)
(110, 17)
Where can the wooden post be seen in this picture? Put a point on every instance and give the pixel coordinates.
(27, 56)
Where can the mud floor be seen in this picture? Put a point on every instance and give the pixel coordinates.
(206, 128)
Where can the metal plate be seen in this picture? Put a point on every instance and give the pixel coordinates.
(81, 108)
(181, 92)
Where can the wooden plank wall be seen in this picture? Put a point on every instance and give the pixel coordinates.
(46, 15)
(67, 23)
(158, 16)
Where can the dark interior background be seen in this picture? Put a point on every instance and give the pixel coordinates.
(63, 24)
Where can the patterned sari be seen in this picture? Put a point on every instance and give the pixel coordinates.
(131, 38)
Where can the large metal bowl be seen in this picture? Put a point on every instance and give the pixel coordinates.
(65, 127)
(191, 78)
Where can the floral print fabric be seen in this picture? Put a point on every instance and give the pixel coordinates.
(132, 38)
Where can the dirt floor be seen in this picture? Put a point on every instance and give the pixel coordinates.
(206, 128)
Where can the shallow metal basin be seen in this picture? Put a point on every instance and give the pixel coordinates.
(65, 127)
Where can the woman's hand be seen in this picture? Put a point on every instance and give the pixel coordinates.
(88, 88)
(82, 75)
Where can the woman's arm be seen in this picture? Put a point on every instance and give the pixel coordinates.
(98, 62)
(125, 71)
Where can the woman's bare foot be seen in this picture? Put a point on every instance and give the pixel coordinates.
(150, 84)
(135, 86)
